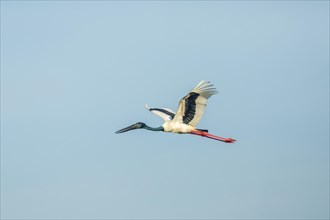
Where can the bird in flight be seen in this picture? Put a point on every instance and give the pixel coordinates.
(189, 113)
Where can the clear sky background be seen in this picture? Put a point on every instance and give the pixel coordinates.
(72, 73)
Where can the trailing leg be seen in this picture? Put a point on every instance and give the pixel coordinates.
(211, 136)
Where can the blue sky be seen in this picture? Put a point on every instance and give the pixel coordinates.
(72, 73)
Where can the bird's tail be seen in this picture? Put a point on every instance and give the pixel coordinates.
(204, 130)
(208, 135)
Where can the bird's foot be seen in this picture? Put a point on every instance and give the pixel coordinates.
(229, 140)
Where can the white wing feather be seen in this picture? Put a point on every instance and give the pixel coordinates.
(204, 90)
(161, 112)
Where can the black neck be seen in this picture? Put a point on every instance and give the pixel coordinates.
(154, 129)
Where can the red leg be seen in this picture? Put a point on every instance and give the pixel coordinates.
(208, 135)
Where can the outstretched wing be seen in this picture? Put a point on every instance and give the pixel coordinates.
(192, 106)
(165, 113)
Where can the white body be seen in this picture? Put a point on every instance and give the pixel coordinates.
(177, 127)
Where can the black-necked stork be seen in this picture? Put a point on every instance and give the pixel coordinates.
(189, 113)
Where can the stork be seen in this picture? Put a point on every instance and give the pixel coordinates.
(189, 113)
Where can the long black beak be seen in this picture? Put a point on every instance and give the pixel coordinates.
(132, 127)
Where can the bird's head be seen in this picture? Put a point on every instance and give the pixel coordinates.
(132, 127)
